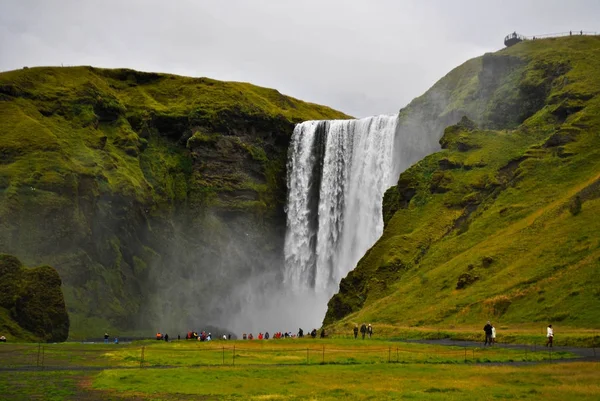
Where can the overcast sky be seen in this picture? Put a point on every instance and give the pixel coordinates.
(362, 57)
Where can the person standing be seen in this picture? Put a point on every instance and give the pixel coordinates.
(488, 333)
(105, 338)
(549, 335)
(370, 330)
(493, 335)
(355, 331)
(363, 330)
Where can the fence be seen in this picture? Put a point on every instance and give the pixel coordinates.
(96, 356)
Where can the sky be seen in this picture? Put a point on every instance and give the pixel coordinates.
(363, 57)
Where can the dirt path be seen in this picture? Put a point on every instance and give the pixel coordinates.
(584, 354)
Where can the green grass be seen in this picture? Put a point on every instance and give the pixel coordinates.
(361, 382)
(575, 381)
(353, 369)
(261, 353)
(85, 150)
(489, 234)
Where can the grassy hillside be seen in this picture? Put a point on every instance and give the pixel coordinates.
(503, 223)
(146, 191)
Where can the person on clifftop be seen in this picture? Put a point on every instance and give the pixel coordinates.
(363, 330)
(488, 333)
(370, 330)
(105, 338)
(355, 331)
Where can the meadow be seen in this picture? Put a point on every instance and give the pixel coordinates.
(291, 369)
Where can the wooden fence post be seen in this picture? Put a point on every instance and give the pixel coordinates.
(142, 357)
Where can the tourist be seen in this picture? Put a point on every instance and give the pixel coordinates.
(260, 336)
(2, 339)
(322, 333)
(493, 334)
(313, 333)
(363, 330)
(488, 333)
(370, 330)
(550, 335)
(158, 336)
(355, 331)
(300, 333)
(166, 337)
(116, 340)
(267, 335)
(105, 338)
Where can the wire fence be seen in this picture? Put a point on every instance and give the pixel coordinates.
(96, 356)
(561, 34)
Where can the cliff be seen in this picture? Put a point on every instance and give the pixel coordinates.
(150, 193)
(502, 222)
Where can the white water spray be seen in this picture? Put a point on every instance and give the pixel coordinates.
(338, 172)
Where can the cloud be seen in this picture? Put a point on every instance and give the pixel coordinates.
(361, 57)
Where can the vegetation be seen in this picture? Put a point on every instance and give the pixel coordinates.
(557, 381)
(113, 176)
(502, 223)
(32, 306)
(282, 369)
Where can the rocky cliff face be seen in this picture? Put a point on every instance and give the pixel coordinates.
(153, 195)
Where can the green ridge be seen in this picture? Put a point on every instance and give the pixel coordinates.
(117, 176)
(503, 223)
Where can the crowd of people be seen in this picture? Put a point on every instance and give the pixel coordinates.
(285, 334)
(365, 330)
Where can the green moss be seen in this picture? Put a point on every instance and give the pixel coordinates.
(35, 301)
(499, 216)
(97, 166)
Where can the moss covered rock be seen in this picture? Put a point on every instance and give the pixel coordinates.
(33, 299)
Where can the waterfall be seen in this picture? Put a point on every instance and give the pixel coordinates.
(337, 173)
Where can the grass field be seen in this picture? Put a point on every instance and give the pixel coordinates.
(290, 369)
(266, 353)
(573, 381)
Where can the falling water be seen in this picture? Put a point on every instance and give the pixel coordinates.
(337, 173)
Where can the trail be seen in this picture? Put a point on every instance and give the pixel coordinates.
(584, 354)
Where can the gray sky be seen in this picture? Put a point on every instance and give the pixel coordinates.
(362, 57)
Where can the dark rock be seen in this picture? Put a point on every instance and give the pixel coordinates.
(35, 299)
(465, 280)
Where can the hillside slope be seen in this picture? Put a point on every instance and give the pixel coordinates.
(502, 223)
(150, 193)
